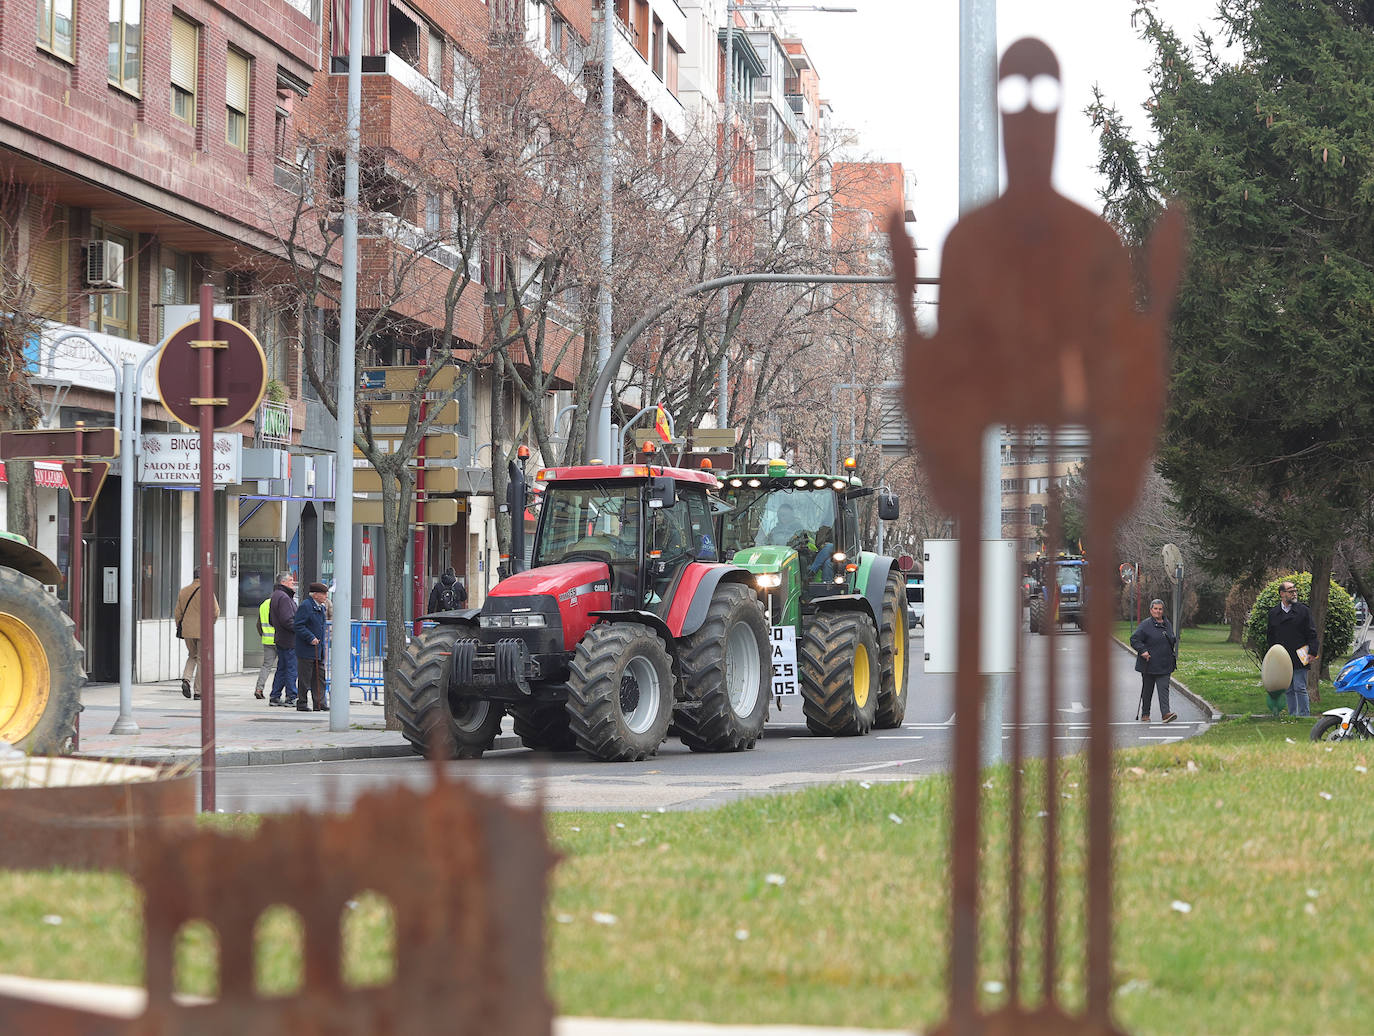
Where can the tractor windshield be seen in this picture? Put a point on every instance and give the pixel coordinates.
(594, 519)
(1070, 575)
(782, 516)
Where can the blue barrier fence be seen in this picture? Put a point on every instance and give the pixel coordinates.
(366, 657)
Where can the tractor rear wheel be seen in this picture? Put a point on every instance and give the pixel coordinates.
(726, 670)
(426, 713)
(839, 674)
(892, 683)
(544, 727)
(1037, 615)
(620, 692)
(41, 671)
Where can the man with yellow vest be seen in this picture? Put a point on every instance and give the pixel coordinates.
(269, 648)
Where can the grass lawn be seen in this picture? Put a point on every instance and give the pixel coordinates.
(829, 906)
(1224, 674)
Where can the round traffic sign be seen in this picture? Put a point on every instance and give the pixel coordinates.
(240, 377)
(906, 562)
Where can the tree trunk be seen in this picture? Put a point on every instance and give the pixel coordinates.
(396, 533)
(1321, 593)
(19, 501)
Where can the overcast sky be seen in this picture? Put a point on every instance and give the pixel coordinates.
(891, 72)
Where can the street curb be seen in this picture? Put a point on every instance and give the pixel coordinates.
(1214, 714)
(280, 756)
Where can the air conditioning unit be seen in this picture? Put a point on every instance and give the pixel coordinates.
(104, 264)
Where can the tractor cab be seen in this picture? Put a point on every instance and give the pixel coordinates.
(647, 524)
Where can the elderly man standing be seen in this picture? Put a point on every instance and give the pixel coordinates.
(311, 618)
(187, 615)
(282, 614)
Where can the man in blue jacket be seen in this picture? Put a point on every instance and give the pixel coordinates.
(281, 613)
(311, 617)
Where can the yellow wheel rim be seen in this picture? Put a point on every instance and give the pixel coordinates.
(861, 676)
(899, 653)
(24, 678)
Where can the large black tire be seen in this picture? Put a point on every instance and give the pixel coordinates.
(1037, 615)
(41, 672)
(423, 706)
(892, 660)
(726, 668)
(839, 674)
(620, 692)
(544, 727)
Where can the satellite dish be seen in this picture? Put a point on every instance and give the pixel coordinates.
(1173, 559)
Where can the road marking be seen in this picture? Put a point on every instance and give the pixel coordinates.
(1147, 737)
(900, 737)
(880, 766)
(1074, 707)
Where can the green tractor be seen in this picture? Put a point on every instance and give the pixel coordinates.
(844, 607)
(41, 664)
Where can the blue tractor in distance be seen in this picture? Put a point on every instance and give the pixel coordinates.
(1061, 592)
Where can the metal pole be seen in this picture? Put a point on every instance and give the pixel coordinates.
(341, 631)
(421, 600)
(727, 120)
(125, 723)
(207, 549)
(978, 186)
(600, 444)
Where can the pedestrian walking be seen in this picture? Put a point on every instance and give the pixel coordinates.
(311, 617)
(187, 615)
(1290, 624)
(447, 593)
(281, 613)
(268, 636)
(1156, 656)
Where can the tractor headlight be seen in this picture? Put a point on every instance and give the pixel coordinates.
(769, 580)
(491, 622)
(839, 579)
(839, 555)
(528, 620)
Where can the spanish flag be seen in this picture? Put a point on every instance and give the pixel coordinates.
(661, 425)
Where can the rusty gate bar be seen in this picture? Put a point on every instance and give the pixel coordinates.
(1017, 791)
(1054, 534)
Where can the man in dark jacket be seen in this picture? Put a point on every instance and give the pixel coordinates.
(310, 623)
(282, 614)
(447, 593)
(1290, 624)
(1156, 649)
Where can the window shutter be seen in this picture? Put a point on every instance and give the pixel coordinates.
(236, 82)
(185, 39)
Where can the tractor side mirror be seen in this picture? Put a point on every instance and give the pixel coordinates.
(662, 492)
(889, 507)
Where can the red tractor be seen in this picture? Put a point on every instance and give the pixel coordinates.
(625, 623)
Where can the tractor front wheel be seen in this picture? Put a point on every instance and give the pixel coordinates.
(620, 692)
(41, 671)
(726, 669)
(892, 683)
(839, 674)
(1037, 615)
(427, 715)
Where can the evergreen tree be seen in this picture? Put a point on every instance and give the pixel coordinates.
(1269, 142)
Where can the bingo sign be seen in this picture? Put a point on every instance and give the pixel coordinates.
(783, 648)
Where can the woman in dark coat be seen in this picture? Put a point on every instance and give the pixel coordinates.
(1156, 648)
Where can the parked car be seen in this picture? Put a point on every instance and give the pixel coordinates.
(915, 603)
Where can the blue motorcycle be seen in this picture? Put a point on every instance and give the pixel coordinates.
(1341, 724)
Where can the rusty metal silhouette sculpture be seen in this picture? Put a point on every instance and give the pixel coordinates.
(466, 877)
(1037, 327)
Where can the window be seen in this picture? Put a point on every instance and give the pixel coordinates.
(466, 90)
(670, 74)
(159, 574)
(656, 48)
(236, 100)
(112, 312)
(185, 53)
(435, 56)
(126, 44)
(55, 27)
(173, 285)
(433, 214)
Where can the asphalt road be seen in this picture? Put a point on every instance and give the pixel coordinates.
(786, 758)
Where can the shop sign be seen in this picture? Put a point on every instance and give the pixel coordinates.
(45, 476)
(174, 460)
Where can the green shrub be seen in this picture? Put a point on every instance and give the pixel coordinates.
(1340, 616)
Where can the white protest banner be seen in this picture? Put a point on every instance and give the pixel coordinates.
(783, 644)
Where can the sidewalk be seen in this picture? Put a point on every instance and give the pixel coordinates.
(247, 731)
